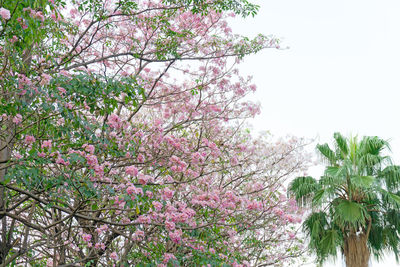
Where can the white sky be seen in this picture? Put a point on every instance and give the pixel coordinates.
(341, 72)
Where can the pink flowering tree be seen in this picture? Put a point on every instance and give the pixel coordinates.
(123, 142)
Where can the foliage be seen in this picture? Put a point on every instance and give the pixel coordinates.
(357, 196)
(122, 139)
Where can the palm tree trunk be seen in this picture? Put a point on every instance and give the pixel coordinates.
(356, 250)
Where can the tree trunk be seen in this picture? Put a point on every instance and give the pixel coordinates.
(6, 145)
(5, 155)
(356, 250)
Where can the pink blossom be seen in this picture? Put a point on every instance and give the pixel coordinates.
(254, 205)
(14, 39)
(99, 170)
(45, 79)
(169, 225)
(290, 218)
(5, 13)
(86, 237)
(149, 194)
(102, 229)
(91, 160)
(130, 190)
(125, 220)
(17, 119)
(167, 193)
(176, 236)
(168, 257)
(61, 90)
(29, 139)
(60, 160)
(89, 148)
(140, 158)
(157, 205)
(144, 219)
(60, 122)
(139, 191)
(131, 170)
(74, 11)
(65, 73)
(114, 121)
(54, 16)
(278, 211)
(114, 256)
(174, 159)
(39, 15)
(143, 179)
(138, 235)
(47, 144)
(69, 105)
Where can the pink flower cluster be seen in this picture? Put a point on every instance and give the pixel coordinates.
(5, 13)
(17, 119)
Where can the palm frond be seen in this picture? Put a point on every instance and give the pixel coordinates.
(364, 182)
(353, 145)
(341, 145)
(390, 199)
(333, 186)
(329, 242)
(373, 145)
(335, 171)
(324, 239)
(327, 153)
(375, 241)
(368, 162)
(319, 198)
(392, 218)
(350, 213)
(315, 225)
(391, 176)
(391, 240)
(303, 188)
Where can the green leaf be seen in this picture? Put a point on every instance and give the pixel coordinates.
(327, 153)
(390, 198)
(302, 188)
(329, 242)
(332, 171)
(350, 213)
(341, 145)
(318, 197)
(391, 176)
(362, 181)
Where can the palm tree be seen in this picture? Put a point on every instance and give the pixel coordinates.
(355, 204)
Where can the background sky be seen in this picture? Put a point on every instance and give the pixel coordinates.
(341, 72)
